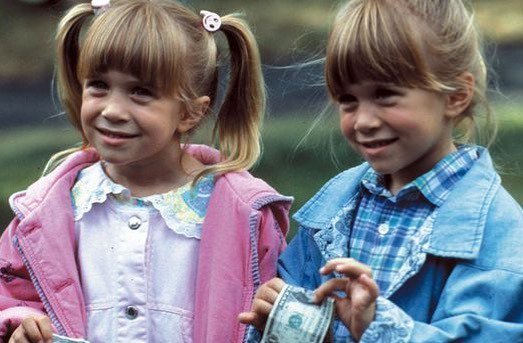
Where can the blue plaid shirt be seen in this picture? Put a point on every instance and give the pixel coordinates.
(384, 222)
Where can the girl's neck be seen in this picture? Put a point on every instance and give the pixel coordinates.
(146, 179)
(396, 181)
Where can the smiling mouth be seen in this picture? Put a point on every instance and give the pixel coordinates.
(378, 143)
(113, 134)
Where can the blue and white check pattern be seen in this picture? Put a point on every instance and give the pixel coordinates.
(384, 222)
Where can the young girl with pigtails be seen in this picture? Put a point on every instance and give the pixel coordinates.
(420, 243)
(136, 237)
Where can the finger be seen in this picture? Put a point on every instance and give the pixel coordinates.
(269, 292)
(328, 288)
(254, 319)
(276, 284)
(258, 316)
(46, 330)
(330, 266)
(18, 336)
(347, 266)
(353, 269)
(363, 304)
(247, 318)
(261, 307)
(364, 292)
(31, 330)
(371, 285)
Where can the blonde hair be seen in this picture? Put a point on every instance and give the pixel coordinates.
(413, 43)
(165, 44)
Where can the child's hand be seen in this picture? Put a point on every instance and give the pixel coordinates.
(34, 330)
(262, 304)
(357, 309)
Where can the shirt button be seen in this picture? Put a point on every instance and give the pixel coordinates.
(131, 312)
(412, 197)
(134, 223)
(383, 229)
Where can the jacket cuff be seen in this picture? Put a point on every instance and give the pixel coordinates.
(253, 335)
(391, 324)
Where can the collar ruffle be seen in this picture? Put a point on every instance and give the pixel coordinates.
(183, 209)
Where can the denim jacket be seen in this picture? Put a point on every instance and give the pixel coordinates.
(463, 280)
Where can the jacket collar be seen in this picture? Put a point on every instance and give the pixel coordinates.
(26, 201)
(459, 222)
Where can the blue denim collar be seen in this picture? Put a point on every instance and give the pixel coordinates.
(458, 226)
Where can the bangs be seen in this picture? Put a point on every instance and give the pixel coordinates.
(138, 40)
(375, 40)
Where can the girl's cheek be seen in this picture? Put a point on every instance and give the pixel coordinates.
(346, 126)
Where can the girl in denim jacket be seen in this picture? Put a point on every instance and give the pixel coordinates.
(137, 237)
(420, 243)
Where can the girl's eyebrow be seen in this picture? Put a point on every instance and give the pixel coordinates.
(94, 76)
(135, 81)
(386, 84)
(345, 97)
(391, 86)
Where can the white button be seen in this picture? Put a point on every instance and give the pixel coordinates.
(383, 229)
(131, 312)
(134, 223)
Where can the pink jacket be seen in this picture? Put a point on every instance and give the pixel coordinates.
(242, 235)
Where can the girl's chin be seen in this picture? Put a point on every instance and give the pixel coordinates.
(383, 170)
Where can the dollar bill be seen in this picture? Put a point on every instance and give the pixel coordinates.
(63, 339)
(295, 318)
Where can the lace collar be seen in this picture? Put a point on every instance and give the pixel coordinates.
(183, 209)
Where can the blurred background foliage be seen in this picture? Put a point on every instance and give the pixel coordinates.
(289, 32)
(285, 29)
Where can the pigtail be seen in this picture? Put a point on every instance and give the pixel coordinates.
(238, 124)
(68, 52)
(69, 87)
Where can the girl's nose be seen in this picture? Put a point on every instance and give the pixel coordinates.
(366, 119)
(115, 109)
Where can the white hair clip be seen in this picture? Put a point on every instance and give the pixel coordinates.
(100, 6)
(211, 21)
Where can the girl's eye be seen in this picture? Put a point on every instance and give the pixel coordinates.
(346, 99)
(96, 85)
(141, 91)
(347, 102)
(385, 94)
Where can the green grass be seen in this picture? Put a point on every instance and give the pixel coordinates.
(292, 168)
(23, 155)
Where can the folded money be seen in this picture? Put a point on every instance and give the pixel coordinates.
(296, 318)
(63, 339)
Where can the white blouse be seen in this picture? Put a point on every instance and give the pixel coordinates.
(137, 258)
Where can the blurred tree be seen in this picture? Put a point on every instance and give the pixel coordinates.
(39, 2)
(287, 30)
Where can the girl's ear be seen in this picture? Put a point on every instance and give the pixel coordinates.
(459, 100)
(190, 119)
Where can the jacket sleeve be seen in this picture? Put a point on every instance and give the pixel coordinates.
(18, 297)
(477, 305)
(299, 264)
(271, 243)
(271, 240)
